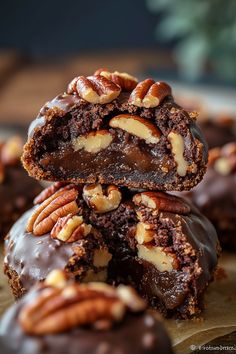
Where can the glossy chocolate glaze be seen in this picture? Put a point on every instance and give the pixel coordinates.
(137, 333)
(216, 198)
(130, 160)
(193, 240)
(173, 290)
(33, 258)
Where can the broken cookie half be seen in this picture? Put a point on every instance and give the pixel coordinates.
(110, 128)
(154, 241)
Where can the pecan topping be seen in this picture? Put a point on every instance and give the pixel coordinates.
(70, 228)
(58, 205)
(125, 81)
(96, 199)
(49, 191)
(94, 89)
(162, 202)
(149, 93)
(58, 309)
(223, 159)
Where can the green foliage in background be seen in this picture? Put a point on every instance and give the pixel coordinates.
(205, 31)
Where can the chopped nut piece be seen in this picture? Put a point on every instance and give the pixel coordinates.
(125, 81)
(93, 142)
(158, 257)
(70, 228)
(130, 298)
(56, 278)
(95, 198)
(101, 258)
(92, 276)
(149, 93)
(144, 233)
(94, 89)
(137, 126)
(177, 147)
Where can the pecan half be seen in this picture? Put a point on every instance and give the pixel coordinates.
(101, 203)
(59, 309)
(162, 202)
(94, 89)
(149, 93)
(49, 191)
(45, 216)
(125, 81)
(70, 228)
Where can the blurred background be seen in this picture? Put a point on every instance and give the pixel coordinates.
(189, 43)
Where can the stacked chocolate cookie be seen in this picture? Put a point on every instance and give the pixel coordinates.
(61, 316)
(113, 147)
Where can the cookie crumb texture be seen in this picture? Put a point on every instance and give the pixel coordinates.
(156, 242)
(133, 140)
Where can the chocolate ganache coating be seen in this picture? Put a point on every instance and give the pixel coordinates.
(169, 256)
(138, 145)
(215, 195)
(141, 332)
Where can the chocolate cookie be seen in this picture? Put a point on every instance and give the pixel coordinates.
(83, 319)
(215, 196)
(17, 190)
(108, 128)
(157, 242)
(219, 130)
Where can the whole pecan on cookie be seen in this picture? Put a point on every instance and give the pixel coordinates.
(94, 89)
(102, 201)
(149, 93)
(162, 202)
(58, 205)
(57, 309)
(50, 190)
(126, 81)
